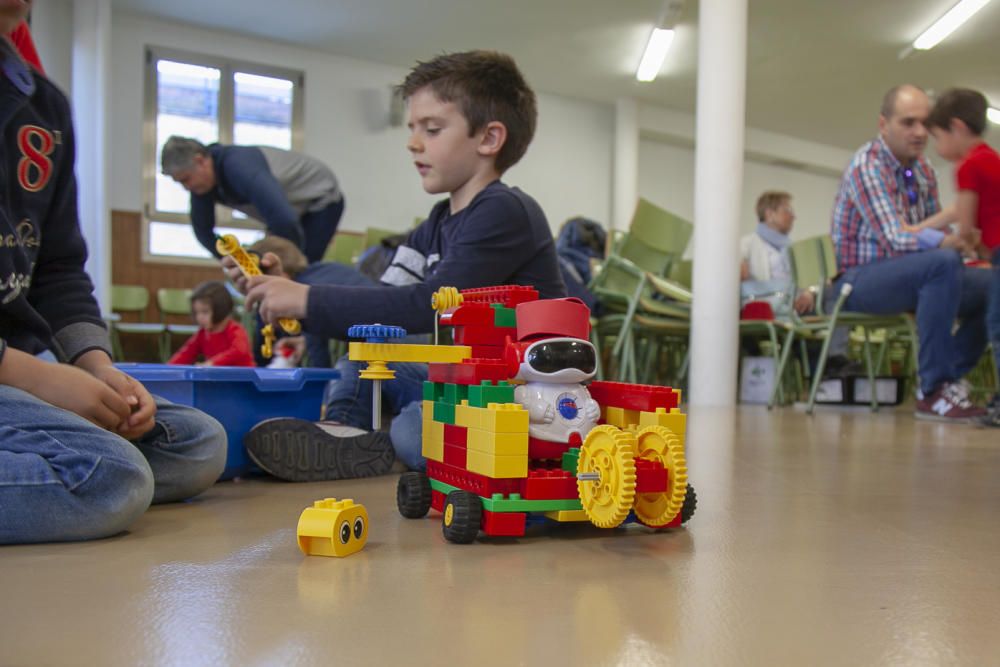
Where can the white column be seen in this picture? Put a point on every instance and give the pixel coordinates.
(626, 165)
(719, 137)
(91, 84)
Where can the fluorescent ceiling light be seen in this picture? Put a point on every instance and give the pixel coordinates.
(993, 115)
(656, 51)
(948, 23)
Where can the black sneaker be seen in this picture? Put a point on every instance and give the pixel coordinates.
(297, 450)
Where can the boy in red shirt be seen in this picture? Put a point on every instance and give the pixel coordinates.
(958, 122)
(221, 341)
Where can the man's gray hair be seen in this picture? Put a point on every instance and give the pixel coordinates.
(178, 154)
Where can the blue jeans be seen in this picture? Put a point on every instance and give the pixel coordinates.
(993, 308)
(938, 288)
(318, 228)
(349, 401)
(63, 478)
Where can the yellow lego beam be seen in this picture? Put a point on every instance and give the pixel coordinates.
(448, 354)
(565, 516)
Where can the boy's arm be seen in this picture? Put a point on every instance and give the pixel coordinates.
(496, 239)
(65, 387)
(251, 178)
(967, 205)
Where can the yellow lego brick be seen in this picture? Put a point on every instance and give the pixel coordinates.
(614, 416)
(568, 515)
(332, 527)
(468, 416)
(501, 444)
(432, 445)
(505, 418)
(497, 467)
(675, 420)
(449, 354)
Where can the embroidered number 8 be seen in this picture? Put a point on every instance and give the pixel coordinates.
(35, 168)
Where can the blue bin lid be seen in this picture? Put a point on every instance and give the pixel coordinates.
(264, 379)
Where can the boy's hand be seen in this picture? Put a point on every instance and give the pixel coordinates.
(270, 265)
(142, 407)
(66, 387)
(277, 297)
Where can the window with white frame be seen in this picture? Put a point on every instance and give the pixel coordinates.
(211, 100)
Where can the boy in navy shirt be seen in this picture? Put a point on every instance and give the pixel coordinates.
(471, 117)
(957, 122)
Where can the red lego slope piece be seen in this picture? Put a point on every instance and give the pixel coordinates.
(644, 397)
(550, 484)
(470, 481)
(508, 295)
(509, 524)
(470, 371)
(470, 314)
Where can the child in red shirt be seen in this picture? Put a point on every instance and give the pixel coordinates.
(220, 341)
(958, 121)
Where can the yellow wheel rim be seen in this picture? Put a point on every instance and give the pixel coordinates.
(660, 444)
(610, 452)
(449, 514)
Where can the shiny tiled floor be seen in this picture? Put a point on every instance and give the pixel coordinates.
(845, 539)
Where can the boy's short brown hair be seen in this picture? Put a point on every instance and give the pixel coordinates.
(771, 200)
(968, 106)
(218, 298)
(486, 86)
(293, 262)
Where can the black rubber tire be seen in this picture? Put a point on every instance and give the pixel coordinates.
(413, 495)
(465, 515)
(690, 503)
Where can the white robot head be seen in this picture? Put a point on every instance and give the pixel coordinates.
(562, 360)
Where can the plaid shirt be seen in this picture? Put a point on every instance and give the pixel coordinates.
(872, 203)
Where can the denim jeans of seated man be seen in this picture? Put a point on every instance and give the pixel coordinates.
(348, 400)
(63, 479)
(938, 288)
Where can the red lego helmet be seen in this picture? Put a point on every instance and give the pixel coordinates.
(553, 317)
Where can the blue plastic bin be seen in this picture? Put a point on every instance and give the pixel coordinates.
(238, 397)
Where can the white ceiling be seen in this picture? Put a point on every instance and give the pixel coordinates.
(816, 69)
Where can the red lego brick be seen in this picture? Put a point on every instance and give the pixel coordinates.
(650, 477)
(470, 314)
(553, 317)
(478, 334)
(757, 310)
(455, 455)
(470, 481)
(508, 295)
(550, 484)
(510, 524)
(489, 352)
(437, 500)
(456, 435)
(644, 397)
(470, 371)
(546, 449)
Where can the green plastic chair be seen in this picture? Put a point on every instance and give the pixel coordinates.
(132, 299)
(344, 248)
(174, 301)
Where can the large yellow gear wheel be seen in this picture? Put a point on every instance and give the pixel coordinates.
(660, 444)
(609, 452)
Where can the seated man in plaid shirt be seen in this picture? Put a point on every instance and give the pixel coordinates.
(889, 250)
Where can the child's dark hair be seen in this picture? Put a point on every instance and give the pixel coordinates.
(968, 106)
(486, 86)
(217, 296)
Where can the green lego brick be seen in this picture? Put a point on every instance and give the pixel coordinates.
(514, 503)
(433, 391)
(480, 396)
(444, 412)
(503, 317)
(570, 459)
(455, 393)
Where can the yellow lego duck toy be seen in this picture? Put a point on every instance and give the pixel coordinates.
(333, 527)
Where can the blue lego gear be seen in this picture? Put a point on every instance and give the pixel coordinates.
(375, 333)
